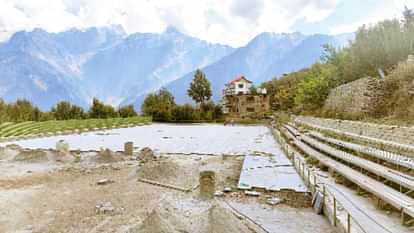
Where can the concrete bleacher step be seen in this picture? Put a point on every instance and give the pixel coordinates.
(390, 157)
(379, 170)
(408, 150)
(400, 201)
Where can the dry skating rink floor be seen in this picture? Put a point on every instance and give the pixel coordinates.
(59, 193)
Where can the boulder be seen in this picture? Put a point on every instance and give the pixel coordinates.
(219, 194)
(273, 201)
(227, 189)
(146, 154)
(104, 208)
(105, 182)
(252, 193)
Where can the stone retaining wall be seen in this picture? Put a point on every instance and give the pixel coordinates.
(363, 97)
(296, 199)
(398, 134)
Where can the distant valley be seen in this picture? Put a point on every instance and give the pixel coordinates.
(77, 65)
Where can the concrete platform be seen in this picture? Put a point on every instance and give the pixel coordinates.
(269, 173)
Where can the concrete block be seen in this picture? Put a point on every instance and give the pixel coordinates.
(129, 148)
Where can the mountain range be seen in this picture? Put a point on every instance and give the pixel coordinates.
(77, 65)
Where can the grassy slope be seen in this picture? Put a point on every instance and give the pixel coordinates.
(55, 127)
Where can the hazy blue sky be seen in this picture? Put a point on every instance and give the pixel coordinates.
(350, 14)
(232, 22)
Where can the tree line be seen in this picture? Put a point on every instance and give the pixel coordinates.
(377, 49)
(24, 110)
(161, 105)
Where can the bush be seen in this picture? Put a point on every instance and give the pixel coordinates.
(282, 90)
(313, 90)
(99, 110)
(65, 111)
(282, 118)
(127, 111)
(207, 111)
(159, 105)
(183, 113)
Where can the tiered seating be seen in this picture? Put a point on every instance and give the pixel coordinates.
(330, 152)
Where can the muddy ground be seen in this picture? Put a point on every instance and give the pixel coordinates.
(60, 193)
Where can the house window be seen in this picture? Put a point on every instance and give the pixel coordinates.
(241, 85)
(250, 109)
(250, 99)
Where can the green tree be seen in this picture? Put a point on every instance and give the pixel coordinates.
(159, 105)
(207, 110)
(77, 112)
(380, 46)
(62, 110)
(282, 91)
(99, 110)
(200, 88)
(312, 91)
(47, 116)
(4, 117)
(127, 111)
(184, 113)
(21, 110)
(253, 90)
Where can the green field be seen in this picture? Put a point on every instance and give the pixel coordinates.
(45, 128)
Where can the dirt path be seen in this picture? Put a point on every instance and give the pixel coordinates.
(65, 200)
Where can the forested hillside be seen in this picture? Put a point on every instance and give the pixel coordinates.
(377, 49)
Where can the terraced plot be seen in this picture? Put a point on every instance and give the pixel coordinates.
(25, 129)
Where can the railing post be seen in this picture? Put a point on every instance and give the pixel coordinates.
(303, 170)
(334, 211)
(402, 217)
(348, 223)
(324, 194)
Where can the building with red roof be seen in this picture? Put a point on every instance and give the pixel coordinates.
(238, 86)
(239, 101)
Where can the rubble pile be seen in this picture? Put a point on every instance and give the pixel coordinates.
(215, 220)
(107, 156)
(31, 156)
(146, 154)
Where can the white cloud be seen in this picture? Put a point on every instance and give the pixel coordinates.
(250, 10)
(232, 22)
